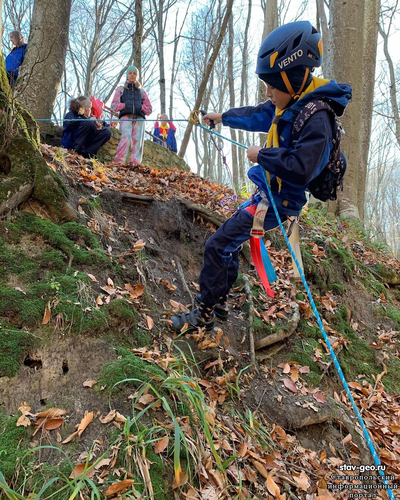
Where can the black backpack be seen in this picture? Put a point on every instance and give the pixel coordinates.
(325, 185)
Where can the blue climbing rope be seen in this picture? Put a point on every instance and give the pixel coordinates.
(370, 443)
(105, 120)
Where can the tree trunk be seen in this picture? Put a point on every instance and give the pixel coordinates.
(161, 63)
(175, 66)
(347, 19)
(24, 173)
(325, 32)
(392, 82)
(137, 38)
(270, 8)
(370, 32)
(244, 93)
(44, 63)
(231, 85)
(206, 75)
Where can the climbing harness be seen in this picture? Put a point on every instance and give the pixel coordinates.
(195, 120)
(367, 436)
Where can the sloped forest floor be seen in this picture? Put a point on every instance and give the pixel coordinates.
(99, 399)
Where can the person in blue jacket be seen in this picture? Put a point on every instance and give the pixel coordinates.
(165, 133)
(80, 132)
(285, 63)
(16, 57)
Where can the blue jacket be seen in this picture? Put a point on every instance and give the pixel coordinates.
(296, 164)
(14, 59)
(70, 129)
(171, 141)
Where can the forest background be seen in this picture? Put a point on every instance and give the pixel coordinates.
(203, 54)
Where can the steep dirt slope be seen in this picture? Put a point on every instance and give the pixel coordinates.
(84, 313)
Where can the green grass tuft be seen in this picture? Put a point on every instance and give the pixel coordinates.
(14, 344)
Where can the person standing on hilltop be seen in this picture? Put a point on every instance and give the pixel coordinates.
(16, 57)
(164, 133)
(132, 102)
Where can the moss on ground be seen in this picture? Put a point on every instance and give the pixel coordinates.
(74, 240)
(390, 312)
(13, 445)
(39, 271)
(303, 351)
(14, 345)
(129, 366)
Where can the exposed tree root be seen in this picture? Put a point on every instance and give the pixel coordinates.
(282, 333)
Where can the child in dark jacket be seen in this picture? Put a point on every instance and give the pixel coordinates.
(16, 57)
(82, 134)
(285, 61)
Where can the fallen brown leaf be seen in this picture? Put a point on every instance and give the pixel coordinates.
(272, 487)
(161, 445)
(150, 322)
(47, 314)
(120, 487)
(289, 384)
(89, 383)
(80, 468)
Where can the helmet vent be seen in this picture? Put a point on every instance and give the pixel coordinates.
(266, 53)
(282, 53)
(296, 42)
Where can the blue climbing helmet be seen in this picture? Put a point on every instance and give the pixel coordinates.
(287, 47)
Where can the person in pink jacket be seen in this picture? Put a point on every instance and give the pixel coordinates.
(131, 101)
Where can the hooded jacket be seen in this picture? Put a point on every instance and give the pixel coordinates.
(170, 139)
(15, 58)
(70, 129)
(295, 164)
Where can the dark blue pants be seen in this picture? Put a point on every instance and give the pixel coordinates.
(221, 254)
(88, 139)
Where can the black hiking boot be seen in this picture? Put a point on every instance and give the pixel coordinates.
(221, 312)
(192, 321)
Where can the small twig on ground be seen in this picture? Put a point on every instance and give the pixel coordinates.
(248, 286)
(182, 276)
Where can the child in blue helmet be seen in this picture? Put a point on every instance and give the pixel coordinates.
(285, 62)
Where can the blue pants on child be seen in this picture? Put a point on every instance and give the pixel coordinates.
(221, 255)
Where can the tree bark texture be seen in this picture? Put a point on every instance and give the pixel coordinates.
(44, 63)
(370, 32)
(206, 75)
(137, 38)
(24, 173)
(347, 20)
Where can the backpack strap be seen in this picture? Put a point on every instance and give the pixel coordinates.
(306, 113)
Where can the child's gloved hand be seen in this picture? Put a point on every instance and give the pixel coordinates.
(252, 153)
